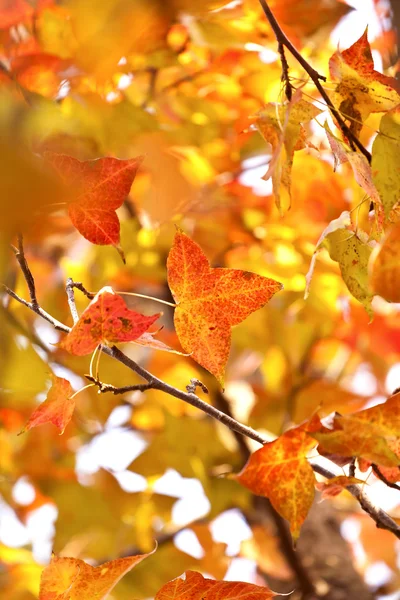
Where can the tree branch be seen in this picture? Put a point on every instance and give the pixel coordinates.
(283, 41)
(382, 519)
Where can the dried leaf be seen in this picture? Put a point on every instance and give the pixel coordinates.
(58, 407)
(281, 472)
(210, 301)
(106, 320)
(336, 485)
(361, 89)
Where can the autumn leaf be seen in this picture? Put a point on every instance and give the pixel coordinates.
(148, 340)
(97, 188)
(368, 434)
(336, 485)
(73, 579)
(361, 90)
(385, 267)
(106, 320)
(281, 126)
(197, 587)
(385, 160)
(352, 253)
(211, 301)
(58, 407)
(14, 12)
(281, 472)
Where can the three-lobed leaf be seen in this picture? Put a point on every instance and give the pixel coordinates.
(106, 320)
(210, 301)
(281, 472)
(96, 188)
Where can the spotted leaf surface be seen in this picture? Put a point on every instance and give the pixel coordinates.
(73, 579)
(281, 472)
(197, 587)
(106, 320)
(210, 301)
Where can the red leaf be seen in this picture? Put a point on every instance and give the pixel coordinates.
(210, 301)
(97, 188)
(13, 12)
(196, 587)
(106, 320)
(57, 408)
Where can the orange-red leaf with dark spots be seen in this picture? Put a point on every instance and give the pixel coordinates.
(96, 189)
(73, 579)
(106, 320)
(197, 587)
(281, 472)
(58, 407)
(210, 301)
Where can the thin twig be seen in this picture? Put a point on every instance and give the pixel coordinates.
(352, 468)
(106, 387)
(69, 288)
(382, 519)
(381, 476)
(315, 76)
(285, 71)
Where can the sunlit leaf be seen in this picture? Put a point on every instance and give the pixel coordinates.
(58, 407)
(106, 320)
(385, 163)
(210, 301)
(281, 472)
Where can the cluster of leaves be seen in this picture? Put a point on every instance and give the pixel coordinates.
(173, 96)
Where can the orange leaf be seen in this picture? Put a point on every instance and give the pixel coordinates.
(361, 90)
(57, 408)
(385, 271)
(336, 485)
(106, 320)
(73, 579)
(196, 587)
(281, 472)
(210, 301)
(97, 188)
(148, 340)
(368, 434)
(13, 12)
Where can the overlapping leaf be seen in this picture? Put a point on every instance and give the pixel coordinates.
(210, 301)
(361, 90)
(385, 160)
(368, 434)
(73, 579)
(106, 320)
(352, 253)
(281, 126)
(281, 472)
(385, 267)
(58, 407)
(97, 188)
(336, 485)
(197, 587)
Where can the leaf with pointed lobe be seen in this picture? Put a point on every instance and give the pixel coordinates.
(58, 407)
(106, 320)
(361, 90)
(210, 301)
(197, 587)
(281, 472)
(97, 188)
(73, 579)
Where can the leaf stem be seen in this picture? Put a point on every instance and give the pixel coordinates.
(146, 297)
